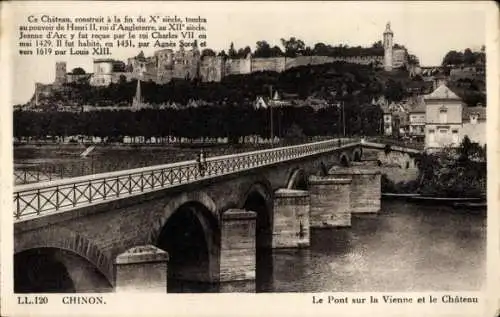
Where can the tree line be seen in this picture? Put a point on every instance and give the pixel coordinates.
(207, 121)
(294, 47)
(466, 58)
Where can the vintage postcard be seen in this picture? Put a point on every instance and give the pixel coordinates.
(249, 158)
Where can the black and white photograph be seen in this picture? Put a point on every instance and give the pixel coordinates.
(320, 148)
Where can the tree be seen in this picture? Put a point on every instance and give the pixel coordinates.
(394, 90)
(413, 60)
(307, 51)
(293, 46)
(378, 44)
(262, 49)
(468, 57)
(276, 52)
(294, 132)
(469, 151)
(321, 49)
(78, 71)
(453, 58)
(243, 52)
(207, 52)
(232, 52)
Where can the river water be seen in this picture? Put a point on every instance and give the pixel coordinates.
(405, 247)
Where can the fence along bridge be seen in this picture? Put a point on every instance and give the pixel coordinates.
(99, 217)
(37, 199)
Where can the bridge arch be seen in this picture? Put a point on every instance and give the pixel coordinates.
(259, 198)
(297, 180)
(188, 229)
(175, 203)
(59, 254)
(357, 154)
(344, 159)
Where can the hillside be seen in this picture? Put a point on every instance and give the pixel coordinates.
(335, 81)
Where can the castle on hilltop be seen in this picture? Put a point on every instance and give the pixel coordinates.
(167, 64)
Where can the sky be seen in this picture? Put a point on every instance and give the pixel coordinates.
(428, 29)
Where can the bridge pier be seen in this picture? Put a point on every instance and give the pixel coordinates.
(365, 187)
(141, 269)
(238, 245)
(330, 201)
(291, 218)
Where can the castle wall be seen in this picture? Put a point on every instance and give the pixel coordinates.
(318, 60)
(166, 65)
(72, 78)
(238, 66)
(276, 64)
(398, 58)
(297, 61)
(211, 69)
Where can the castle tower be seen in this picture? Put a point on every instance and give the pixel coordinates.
(388, 36)
(60, 73)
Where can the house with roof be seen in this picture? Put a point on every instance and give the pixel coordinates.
(443, 116)
(474, 124)
(275, 101)
(395, 117)
(417, 118)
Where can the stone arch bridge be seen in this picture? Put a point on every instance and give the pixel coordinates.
(87, 234)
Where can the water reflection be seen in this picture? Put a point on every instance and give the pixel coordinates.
(406, 247)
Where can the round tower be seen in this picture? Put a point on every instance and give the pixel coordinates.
(388, 36)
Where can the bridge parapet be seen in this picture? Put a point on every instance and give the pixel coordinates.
(35, 200)
(393, 147)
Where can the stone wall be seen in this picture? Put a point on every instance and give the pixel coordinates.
(238, 245)
(214, 68)
(330, 201)
(291, 218)
(276, 64)
(238, 66)
(476, 132)
(365, 187)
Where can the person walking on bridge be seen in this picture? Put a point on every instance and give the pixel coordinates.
(201, 160)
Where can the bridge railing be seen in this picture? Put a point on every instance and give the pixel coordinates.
(65, 194)
(26, 176)
(409, 144)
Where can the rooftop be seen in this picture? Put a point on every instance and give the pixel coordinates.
(481, 111)
(442, 92)
(104, 60)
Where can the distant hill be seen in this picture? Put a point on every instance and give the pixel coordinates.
(334, 81)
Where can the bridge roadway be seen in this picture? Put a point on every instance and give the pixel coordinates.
(38, 199)
(82, 226)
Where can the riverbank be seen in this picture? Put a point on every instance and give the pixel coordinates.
(123, 146)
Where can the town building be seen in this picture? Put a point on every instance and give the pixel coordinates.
(417, 119)
(474, 124)
(444, 115)
(388, 122)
